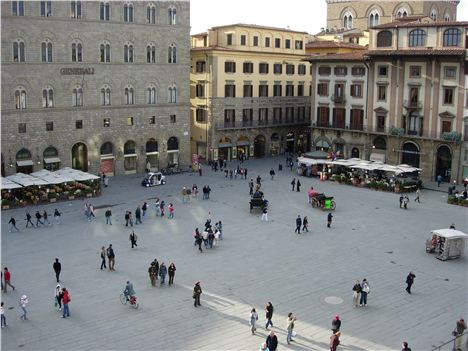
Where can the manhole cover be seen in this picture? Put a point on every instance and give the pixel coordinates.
(333, 300)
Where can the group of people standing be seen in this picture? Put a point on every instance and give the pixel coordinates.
(210, 236)
(159, 269)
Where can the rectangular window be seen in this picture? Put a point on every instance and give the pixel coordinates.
(381, 123)
(448, 96)
(200, 90)
(79, 124)
(324, 70)
(323, 114)
(300, 89)
(267, 42)
(298, 44)
(289, 90)
(229, 117)
(356, 90)
(255, 41)
(450, 73)
(229, 67)
(248, 67)
(263, 68)
(106, 122)
(200, 66)
(277, 115)
(446, 126)
(243, 40)
(414, 96)
(277, 89)
(357, 117)
(247, 117)
(322, 89)
(301, 70)
(248, 90)
(289, 69)
(200, 115)
(278, 68)
(415, 71)
(129, 121)
(75, 9)
(172, 118)
(289, 114)
(358, 71)
(49, 126)
(229, 39)
(382, 71)
(263, 90)
(287, 44)
(46, 8)
(17, 8)
(382, 93)
(104, 11)
(21, 127)
(341, 71)
(301, 113)
(263, 116)
(152, 119)
(229, 90)
(277, 43)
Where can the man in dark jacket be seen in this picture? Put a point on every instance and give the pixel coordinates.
(409, 281)
(298, 224)
(293, 183)
(197, 291)
(336, 324)
(298, 185)
(57, 268)
(272, 341)
(268, 315)
(152, 273)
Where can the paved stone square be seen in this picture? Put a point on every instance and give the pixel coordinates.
(310, 275)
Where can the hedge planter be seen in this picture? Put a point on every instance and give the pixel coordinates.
(5, 207)
(89, 195)
(53, 199)
(71, 198)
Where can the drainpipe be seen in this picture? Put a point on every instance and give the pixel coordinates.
(367, 98)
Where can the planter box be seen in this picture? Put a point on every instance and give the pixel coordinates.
(53, 199)
(71, 198)
(89, 195)
(5, 207)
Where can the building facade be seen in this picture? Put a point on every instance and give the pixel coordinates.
(415, 97)
(97, 86)
(464, 158)
(348, 14)
(250, 92)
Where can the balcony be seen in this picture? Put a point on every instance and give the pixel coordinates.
(340, 126)
(260, 124)
(412, 105)
(338, 98)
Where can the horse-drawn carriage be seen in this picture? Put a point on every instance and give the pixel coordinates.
(258, 201)
(320, 200)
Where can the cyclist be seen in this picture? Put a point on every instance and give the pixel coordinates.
(128, 292)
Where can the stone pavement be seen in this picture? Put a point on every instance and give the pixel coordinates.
(310, 275)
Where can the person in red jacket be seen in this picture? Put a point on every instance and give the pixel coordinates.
(7, 277)
(65, 300)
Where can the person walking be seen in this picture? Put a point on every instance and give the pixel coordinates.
(305, 224)
(220, 228)
(405, 346)
(265, 214)
(162, 273)
(156, 266)
(272, 173)
(268, 314)
(57, 216)
(152, 273)
(106, 181)
(171, 270)
(290, 327)
(157, 205)
(57, 269)
(38, 219)
(12, 223)
(459, 330)
(293, 183)
(144, 208)
(405, 201)
(45, 215)
(108, 215)
(91, 211)
(161, 208)
(111, 257)
(253, 320)
(138, 216)
(58, 296)
(66, 300)
(329, 220)
(197, 291)
(356, 293)
(103, 257)
(251, 187)
(2, 316)
(198, 240)
(439, 180)
(130, 218)
(335, 341)
(272, 341)
(298, 224)
(23, 303)
(133, 239)
(336, 324)
(409, 281)
(7, 279)
(127, 218)
(364, 291)
(418, 194)
(28, 220)
(171, 211)
(298, 185)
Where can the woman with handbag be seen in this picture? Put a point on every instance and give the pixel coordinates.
(253, 320)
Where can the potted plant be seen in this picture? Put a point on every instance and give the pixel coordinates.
(5, 204)
(89, 192)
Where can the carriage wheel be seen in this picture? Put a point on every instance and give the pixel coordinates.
(333, 205)
(314, 203)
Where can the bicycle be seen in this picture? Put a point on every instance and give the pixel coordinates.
(132, 299)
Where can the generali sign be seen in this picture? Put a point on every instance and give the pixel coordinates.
(76, 71)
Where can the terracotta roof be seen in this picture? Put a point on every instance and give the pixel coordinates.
(333, 44)
(405, 24)
(258, 27)
(418, 52)
(349, 56)
(343, 31)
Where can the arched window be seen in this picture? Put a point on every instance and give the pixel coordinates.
(104, 11)
(172, 54)
(129, 96)
(18, 51)
(417, 37)
(434, 14)
(151, 95)
(23, 155)
(105, 95)
(447, 17)
(128, 53)
(47, 97)
(374, 18)
(46, 51)
(151, 53)
(77, 97)
(172, 94)
(130, 148)
(380, 143)
(105, 52)
(50, 158)
(151, 14)
(172, 16)
(151, 146)
(172, 144)
(20, 98)
(128, 13)
(402, 12)
(107, 148)
(77, 51)
(384, 39)
(410, 154)
(452, 37)
(348, 20)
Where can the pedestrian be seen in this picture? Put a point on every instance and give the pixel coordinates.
(127, 218)
(12, 223)
(197, 291)
(253, 320)
(66, 300)
(57, 216)
(460, 329)
(208, 191)
(106, 182)
(108, 215)
(439, 180)
(335, 341)
(272, 173)
(293, 183)
(57, 269)
(329, 220)
(2, 316)
(38, 219)
(405, 201)
(91, 211)
(103, 177)
(138, 215)
(156, 266)
(23, 303)
(152, 273)
(28, 220)
(418, 194)
(356, 293)
(103, 257)
(298, 185)
(405, 346)
(157, 205)
(230, 174)
(305, 224)
(161, 208)
(216, 237)
(198, 240)
(251, 187)
(268, 314)
(130, 218)
(111, 257)
(220, 228)
(401, 201)
(265, 214)
(46, 218)
(144, 208)
(365, 289)
(259, 180)
(184, 194)
(171, 211)
(199, 170)
(336, 324)
(7, 279)
(272, 341)
(290, 327)
(58, 296)
(298, 224)
(409, 281)
(133, 239)
(162, 272)
(194, 190)
(211, 237)
(205, 237)
(171, 271)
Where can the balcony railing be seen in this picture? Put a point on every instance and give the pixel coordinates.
(340, 126)
(414, 105)
(338, 98)
(261, 124)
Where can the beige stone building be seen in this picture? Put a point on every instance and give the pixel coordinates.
(250, 92)
(415, 96)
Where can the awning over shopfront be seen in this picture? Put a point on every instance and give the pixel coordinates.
(26, 179)
(374, 166)
(75, 174)
(51, 177)
(52, 160)
(6, 184)
(24, 163)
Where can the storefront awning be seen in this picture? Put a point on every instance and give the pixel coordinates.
(52, 160)
(6, 184)
(377, 157)
(24, 163)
